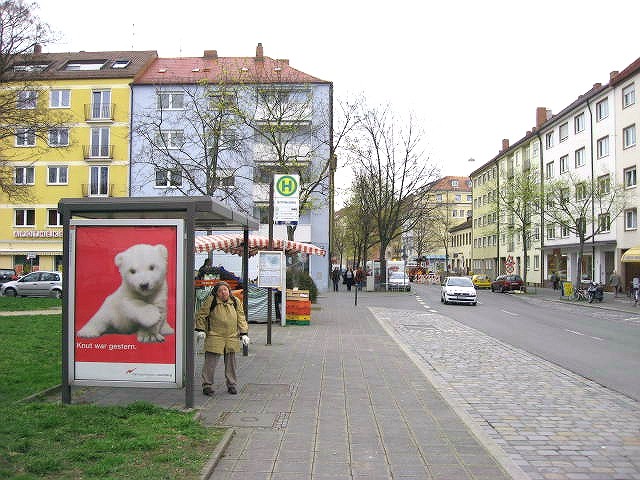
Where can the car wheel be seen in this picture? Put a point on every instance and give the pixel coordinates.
(441, 299)
(56, 294)
(10, 292)
(474, 303)
(492, 289)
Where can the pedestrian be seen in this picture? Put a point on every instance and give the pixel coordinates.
(222, 324)
(556, 281)
(335, 278)
(614, 281)
(359, 277)
(349, 278)
(635, 290)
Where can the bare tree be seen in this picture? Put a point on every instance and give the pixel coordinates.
(24, 116)
(519, 201)
(584, 207)
(388, 156)
(193, 140)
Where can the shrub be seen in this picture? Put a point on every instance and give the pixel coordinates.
(303, 281)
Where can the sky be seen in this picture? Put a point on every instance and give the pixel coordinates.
(471, 72)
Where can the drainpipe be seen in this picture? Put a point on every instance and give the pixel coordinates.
(593, 208)
(542, 206)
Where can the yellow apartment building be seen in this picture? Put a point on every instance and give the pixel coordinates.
(72, 140)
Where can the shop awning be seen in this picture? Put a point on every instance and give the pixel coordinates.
(233, 243)
(631, 256)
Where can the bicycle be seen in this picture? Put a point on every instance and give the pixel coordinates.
(581, 294)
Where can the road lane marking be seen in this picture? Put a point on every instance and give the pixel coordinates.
(598, 338)
(574, 332)
(510, 313)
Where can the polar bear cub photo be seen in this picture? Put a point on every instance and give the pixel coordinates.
(139, 305)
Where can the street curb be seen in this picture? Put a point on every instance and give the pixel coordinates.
(494, 449)
(207, 470)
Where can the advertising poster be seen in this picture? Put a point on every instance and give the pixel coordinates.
(124, 298)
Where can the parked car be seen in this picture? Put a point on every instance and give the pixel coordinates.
(458, 290)
(399, 281)
(481, 281)
(34, 284)
(507, 283)
(7, 274)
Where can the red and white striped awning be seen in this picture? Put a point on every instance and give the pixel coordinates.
(233, 243)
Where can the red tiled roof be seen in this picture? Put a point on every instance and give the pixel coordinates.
(444, 184)
(250, 70)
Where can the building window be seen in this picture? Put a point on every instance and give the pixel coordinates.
(25, 137)
(25, 217)
(438, 197)
(458, 198)
(120, 64)
(581, 191)
(57, 175)
(548, 140)
(578, 123)
(564, 163)
(99, 181)
(563, 132)
(602, 109)
(170, 101)
(628, 96)
(27, 99)
(536, 262)
(24, 176)
(226, 178)
(59, 137)
(60, 99)
(101, 104)
(222, 101)
(630, 179)
(100, 142)
(549, 170)
(53, 218)
(551, 232)
(564, 231)
(604, 184)
(603, 146)
(631, 219)
(604, 222)
(454, 213)
(629, 136)
(579, 157)
(564, 195)
(171, 139)
(469, 198)
(454, 183)
(84, 65)
(168, 177)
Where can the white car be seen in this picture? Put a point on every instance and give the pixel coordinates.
(458, 290)
(399, 281)
(34, 284)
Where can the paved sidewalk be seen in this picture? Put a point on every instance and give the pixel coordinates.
(338, 399)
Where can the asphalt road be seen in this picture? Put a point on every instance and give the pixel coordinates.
(601, 345)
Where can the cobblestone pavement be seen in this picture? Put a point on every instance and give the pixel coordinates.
(553, 424)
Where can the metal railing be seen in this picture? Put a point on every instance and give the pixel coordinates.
(98, 112)
(97, 151)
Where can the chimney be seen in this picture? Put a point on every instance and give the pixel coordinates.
(597, 85)
(541, 116)
(259, 53)
(505, 144)
(213, 54)
(613, 74)
(37, 48)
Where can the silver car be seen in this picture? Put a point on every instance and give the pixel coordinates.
(34, 284)
(458, 290)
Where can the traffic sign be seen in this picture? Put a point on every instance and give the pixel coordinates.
(286, 199)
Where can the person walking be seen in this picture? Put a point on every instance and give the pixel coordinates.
(335, 278)
(614, 281)
(635, 290)
(556, 281)
(221, 323)
(359, 277)
(350, 278)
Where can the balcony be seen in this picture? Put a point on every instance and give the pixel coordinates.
(99, 112)
(89, 190)
(97, 152)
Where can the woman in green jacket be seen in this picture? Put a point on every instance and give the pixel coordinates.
(222, 322)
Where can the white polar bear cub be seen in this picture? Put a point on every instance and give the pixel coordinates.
(139, 305)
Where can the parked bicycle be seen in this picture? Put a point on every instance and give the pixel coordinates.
(581, 294)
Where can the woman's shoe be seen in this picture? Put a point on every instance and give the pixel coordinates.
(208, 391)
(232, 390)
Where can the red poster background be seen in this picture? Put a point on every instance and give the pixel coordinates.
(97, 277)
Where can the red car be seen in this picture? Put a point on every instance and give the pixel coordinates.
(507, 283)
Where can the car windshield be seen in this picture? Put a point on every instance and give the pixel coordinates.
(459, 282)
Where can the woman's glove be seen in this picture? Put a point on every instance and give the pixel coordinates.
(245, 340)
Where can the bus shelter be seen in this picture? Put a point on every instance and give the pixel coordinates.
(129, 296)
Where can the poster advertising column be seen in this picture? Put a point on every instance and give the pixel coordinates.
(126, 303)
